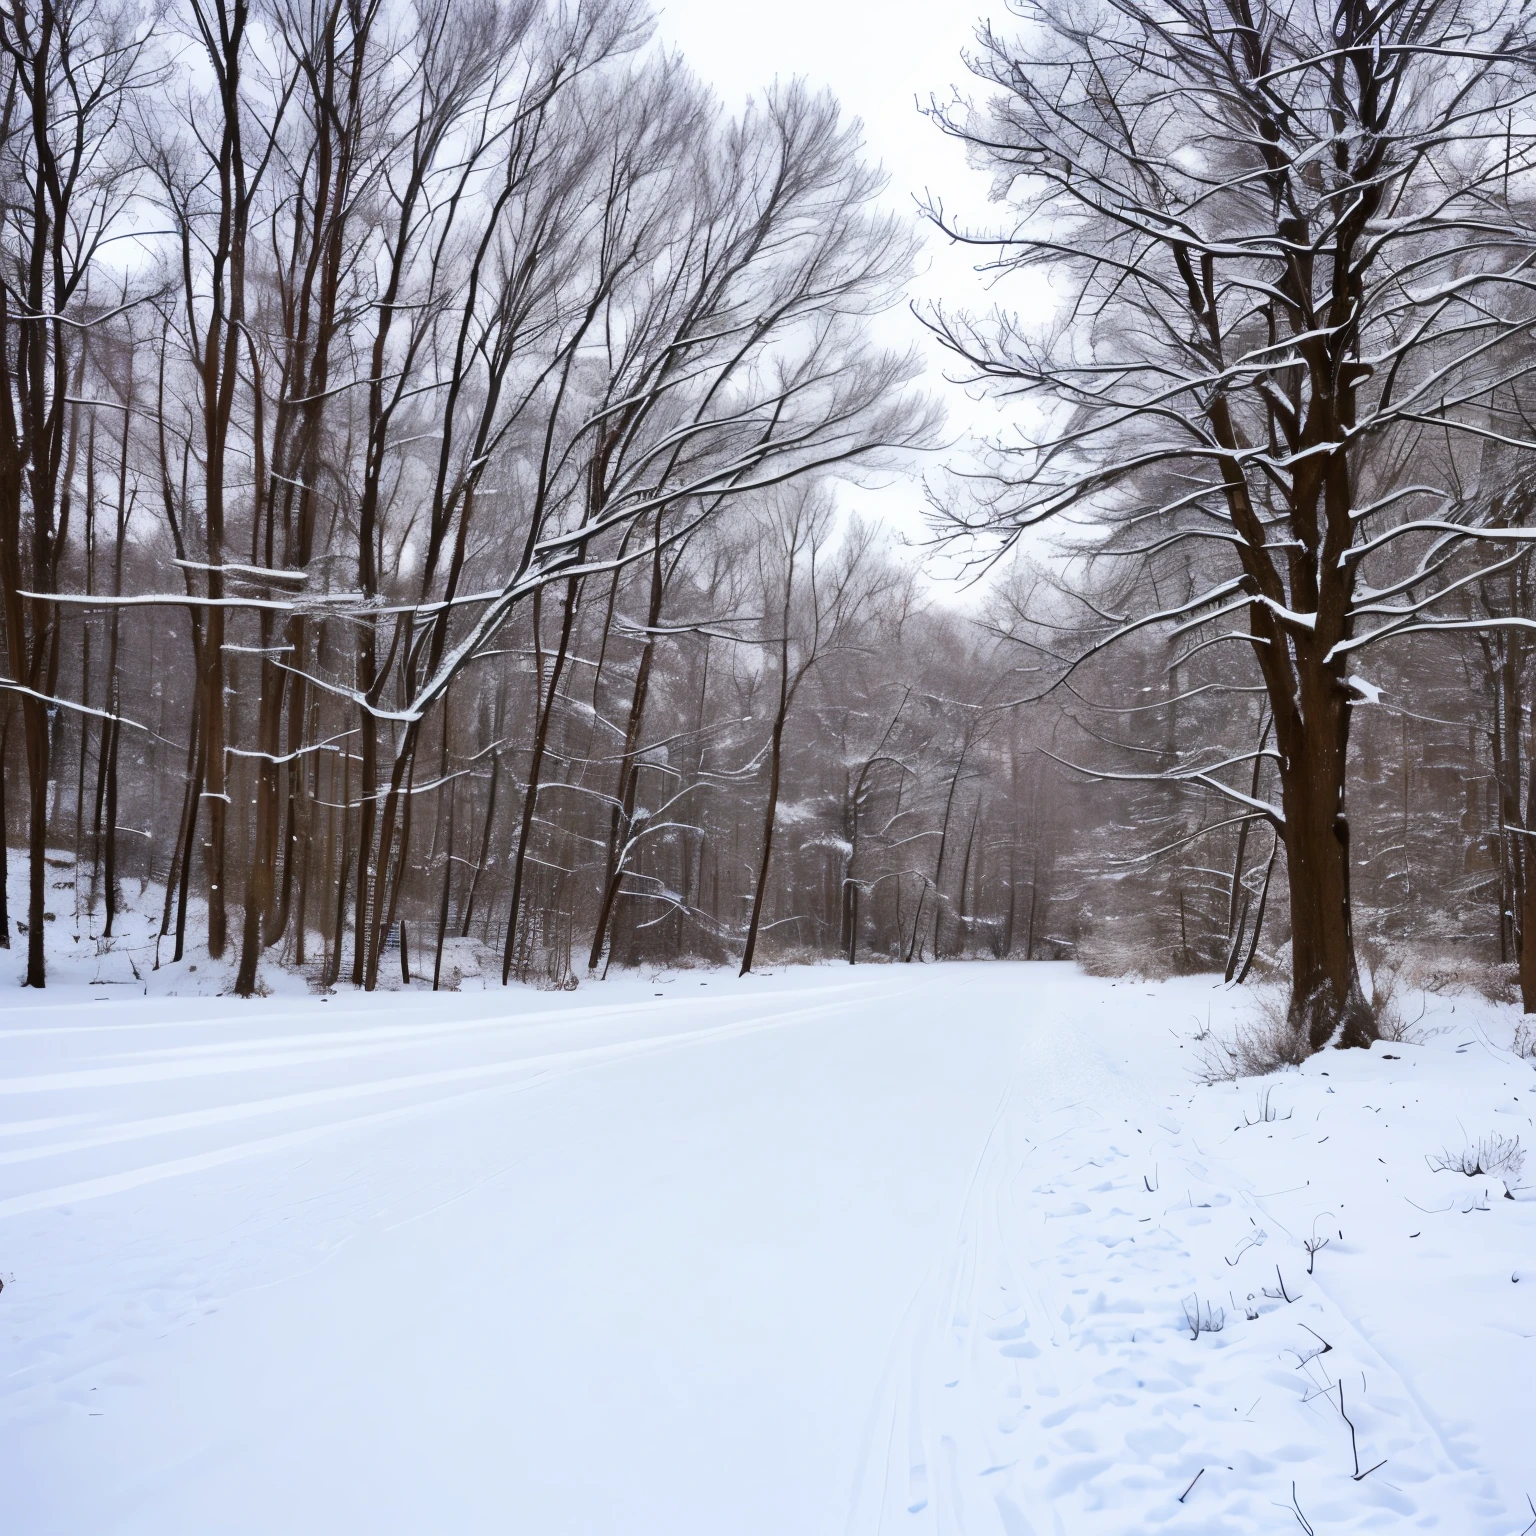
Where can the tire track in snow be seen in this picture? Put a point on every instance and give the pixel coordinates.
(219, 1058)
(493, 1018)
(900, 1384)
(528, 1072)
(117, 1183)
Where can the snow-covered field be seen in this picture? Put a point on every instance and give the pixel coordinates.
(894, 1249)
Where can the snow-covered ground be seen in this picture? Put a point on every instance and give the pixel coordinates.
(888, 1250)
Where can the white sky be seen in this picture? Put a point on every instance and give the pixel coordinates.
(881, 60)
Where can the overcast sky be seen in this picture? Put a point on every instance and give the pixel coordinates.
(881, 60)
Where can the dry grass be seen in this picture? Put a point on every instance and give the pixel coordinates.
(1264, 1044)
(1498, 983)
(1203, 1319)
(1140, 946)
(1267, 1041)
(1493, 1155)
(1388, 969)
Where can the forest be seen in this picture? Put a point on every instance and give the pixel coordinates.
(432, 452)
(767, 771)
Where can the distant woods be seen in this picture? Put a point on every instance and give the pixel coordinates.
(417, 533)
(411, 520)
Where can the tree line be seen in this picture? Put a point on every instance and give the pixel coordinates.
(411, 502)
(415, 523)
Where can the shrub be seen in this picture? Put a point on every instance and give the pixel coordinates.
(1264, 1044)
(1493, 1155)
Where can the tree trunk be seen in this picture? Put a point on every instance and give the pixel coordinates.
(962, 914)
(770, 815)
(938, 863)
(333, 965)
(368, 805)
(302, 911)
(212, 710)
(1528, 893)
(442, 915)
(1034, 898)
(787, 689)
(536, 768)
(402, 863)
(35, 734)
(621, 821)
(485, 845)
(1326, 999)
(110, 831)
(5, 841)
(260, 880)
(23, 659)
(194, 809)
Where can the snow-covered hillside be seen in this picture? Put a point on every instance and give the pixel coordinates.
(897, 1249)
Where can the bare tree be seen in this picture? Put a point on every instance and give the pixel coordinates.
(65, 71)
(834, 593)
(1299, 290)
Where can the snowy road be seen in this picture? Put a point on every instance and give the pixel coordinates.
(878, 1251)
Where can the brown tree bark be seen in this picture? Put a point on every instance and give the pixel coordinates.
(536, 769)
(5, 828)
(622, 816)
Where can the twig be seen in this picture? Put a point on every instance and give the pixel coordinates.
(1320, 1339)
(1195, 1479)
(1282, 1294)
(1252, 1241)
(1213, 1321)
(1353, 1443)
(1302, 1520)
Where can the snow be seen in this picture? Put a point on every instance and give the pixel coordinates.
(874, 1250)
